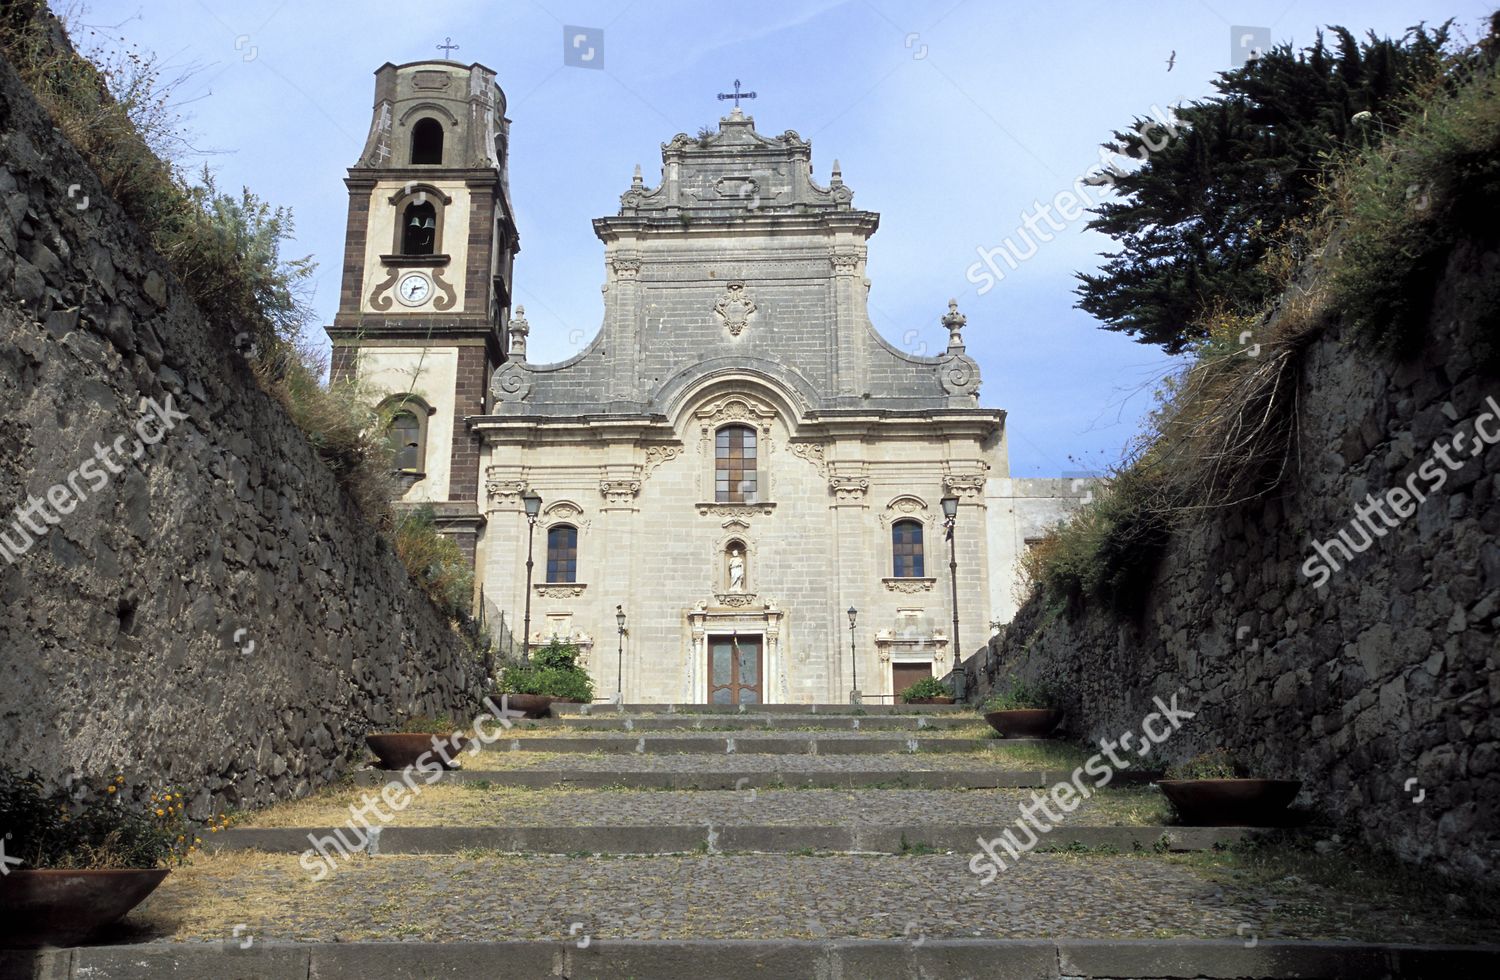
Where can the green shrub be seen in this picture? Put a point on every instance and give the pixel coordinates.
(553, 671)
(1019, 694)
(927, 687)
(94, 825)
(1214, 764)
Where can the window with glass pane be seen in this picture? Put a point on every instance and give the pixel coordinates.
(735, 478)
(405, 435)
(562, 554)
(906, 545)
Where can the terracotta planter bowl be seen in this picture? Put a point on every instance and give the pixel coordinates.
(1231, 802)
(60, 907)
(535, 705)
(1025, 722)
(930, 701)
(397, 750)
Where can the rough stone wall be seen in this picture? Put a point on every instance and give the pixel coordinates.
(214, 613)
(1386, 673)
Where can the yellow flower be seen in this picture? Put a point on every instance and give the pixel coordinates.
(110, 790)
(160, 812)
(120, 780)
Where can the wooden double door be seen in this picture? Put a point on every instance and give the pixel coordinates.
(736, 670)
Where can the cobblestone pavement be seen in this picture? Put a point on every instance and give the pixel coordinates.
(465, 805)
(489, 897)
(750, 735)
(998, 758)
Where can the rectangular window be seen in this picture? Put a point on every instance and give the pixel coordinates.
(562, 554)
(735, 477)
(906, 547)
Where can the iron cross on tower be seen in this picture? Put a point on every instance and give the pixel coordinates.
(447, 47)
(737, 95)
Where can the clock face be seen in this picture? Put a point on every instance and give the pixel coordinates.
(413, 289)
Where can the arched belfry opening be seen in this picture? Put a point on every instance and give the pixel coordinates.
(419, 228)
(427, 141)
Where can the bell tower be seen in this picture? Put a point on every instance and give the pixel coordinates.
(428, 257)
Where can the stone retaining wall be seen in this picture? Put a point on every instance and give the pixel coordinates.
(1384, 675)
(214, 613)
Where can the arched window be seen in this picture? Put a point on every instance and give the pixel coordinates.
(427, 141)
(419, 228)
(405, 434)
(562, 553)
(735, 477)
(906, 549)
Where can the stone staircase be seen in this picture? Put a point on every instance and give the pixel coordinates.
(691, 841)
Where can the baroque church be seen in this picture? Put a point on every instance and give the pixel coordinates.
(738, 463)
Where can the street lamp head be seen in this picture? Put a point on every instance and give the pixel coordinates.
(533, 504)
(852, 613)
(950, 507)
(620, 618)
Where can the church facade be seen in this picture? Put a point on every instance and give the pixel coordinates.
(735, 462)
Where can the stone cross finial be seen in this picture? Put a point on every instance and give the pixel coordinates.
(954, 321)
(636, 183)
(837, 180)
(519, 329)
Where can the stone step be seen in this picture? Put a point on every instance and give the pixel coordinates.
(581, 957)
(667, 839)
(756, 722)
(560, 708)
(711, 773)
(759, 743)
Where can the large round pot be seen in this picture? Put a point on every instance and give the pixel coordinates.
(397, 750)
(535, 705)
(1231, 802)
(1025, 722)
(929, 701)
(60, 907)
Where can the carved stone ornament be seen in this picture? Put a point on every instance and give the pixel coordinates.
(964, 485)
(846, 261)
(740, 511)
(848, 488)
(911, 586)
(959, 375)
(737, 600)
(512, 383)
(570, 590)
(657, 455)
(813, 453)
(618, 492)
(735, 308)
(626, 266)
(505, 493)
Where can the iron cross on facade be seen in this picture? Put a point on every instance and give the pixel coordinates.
(447, 47)
(737, 95)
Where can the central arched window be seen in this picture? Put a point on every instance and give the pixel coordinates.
(562, 553)
(419, 228)
(427, 141)
(735, 477)
(906, 549)
(405, 435)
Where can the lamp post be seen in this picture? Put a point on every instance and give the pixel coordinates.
(853, 661)
(950, 522)
(533, 504)
(620, 669)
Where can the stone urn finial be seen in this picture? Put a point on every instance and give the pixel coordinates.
(954, 321)
(519, 329)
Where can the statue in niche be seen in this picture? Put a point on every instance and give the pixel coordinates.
(736, 571)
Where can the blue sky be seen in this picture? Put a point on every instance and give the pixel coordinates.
(950, 119)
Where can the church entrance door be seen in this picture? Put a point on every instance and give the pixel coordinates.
(904, 675)
(734, 670)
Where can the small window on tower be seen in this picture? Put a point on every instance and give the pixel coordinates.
(427, 141)
(419, 224)
(405, 435)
